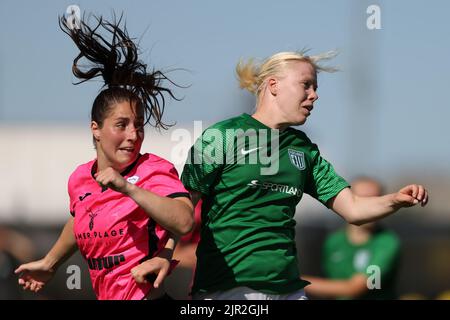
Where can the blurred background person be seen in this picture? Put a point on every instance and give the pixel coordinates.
(15, 248)
(348, 253)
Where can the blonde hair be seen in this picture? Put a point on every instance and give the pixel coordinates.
(252, 75)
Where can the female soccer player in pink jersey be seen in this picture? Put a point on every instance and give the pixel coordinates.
(126, 206)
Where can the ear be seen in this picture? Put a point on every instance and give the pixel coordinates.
(95, 129)
(272, 85)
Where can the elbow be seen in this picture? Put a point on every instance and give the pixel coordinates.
(357, 286)
(355, 222)
(186, 227)
(354, 219)
(355, 293)
(184, 220)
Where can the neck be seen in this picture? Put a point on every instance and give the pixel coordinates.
(358, 235)
(268, 119)
(103, 163)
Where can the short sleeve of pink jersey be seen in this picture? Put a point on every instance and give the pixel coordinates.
(164, 181)
(77, 180)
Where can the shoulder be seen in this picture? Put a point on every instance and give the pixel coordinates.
(335, 237)
(81, 172)
(300, 135)
(386, 237)
(80, 178)
(230, 123)
(151, 163)
(221, 133)
(158, 175)
(150, 160)
(301, 139)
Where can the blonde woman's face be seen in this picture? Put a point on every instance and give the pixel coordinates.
(296, 92)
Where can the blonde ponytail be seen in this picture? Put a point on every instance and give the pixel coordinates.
(247, 74)
(252, 75)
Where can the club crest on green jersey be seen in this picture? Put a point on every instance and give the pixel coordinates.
(297, 158)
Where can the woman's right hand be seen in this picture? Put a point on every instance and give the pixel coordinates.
(34, 275)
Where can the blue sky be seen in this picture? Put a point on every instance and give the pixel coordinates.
(386, 111)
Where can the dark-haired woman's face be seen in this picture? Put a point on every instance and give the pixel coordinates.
(120, 138)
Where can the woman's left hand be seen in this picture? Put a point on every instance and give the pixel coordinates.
(112, 179)
(156, 265)
(411, 195)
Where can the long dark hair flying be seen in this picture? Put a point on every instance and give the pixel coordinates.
(115, 59)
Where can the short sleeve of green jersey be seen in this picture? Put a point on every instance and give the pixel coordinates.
(385, 252)
(205, 161)
(324, 182)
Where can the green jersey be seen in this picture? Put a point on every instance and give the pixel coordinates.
(343, 259)
(252, 177)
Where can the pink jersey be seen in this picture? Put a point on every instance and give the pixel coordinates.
(112, 232)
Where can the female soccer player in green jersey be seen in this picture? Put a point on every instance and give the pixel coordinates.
(252, 170)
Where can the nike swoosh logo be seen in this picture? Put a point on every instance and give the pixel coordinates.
(244, 152)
